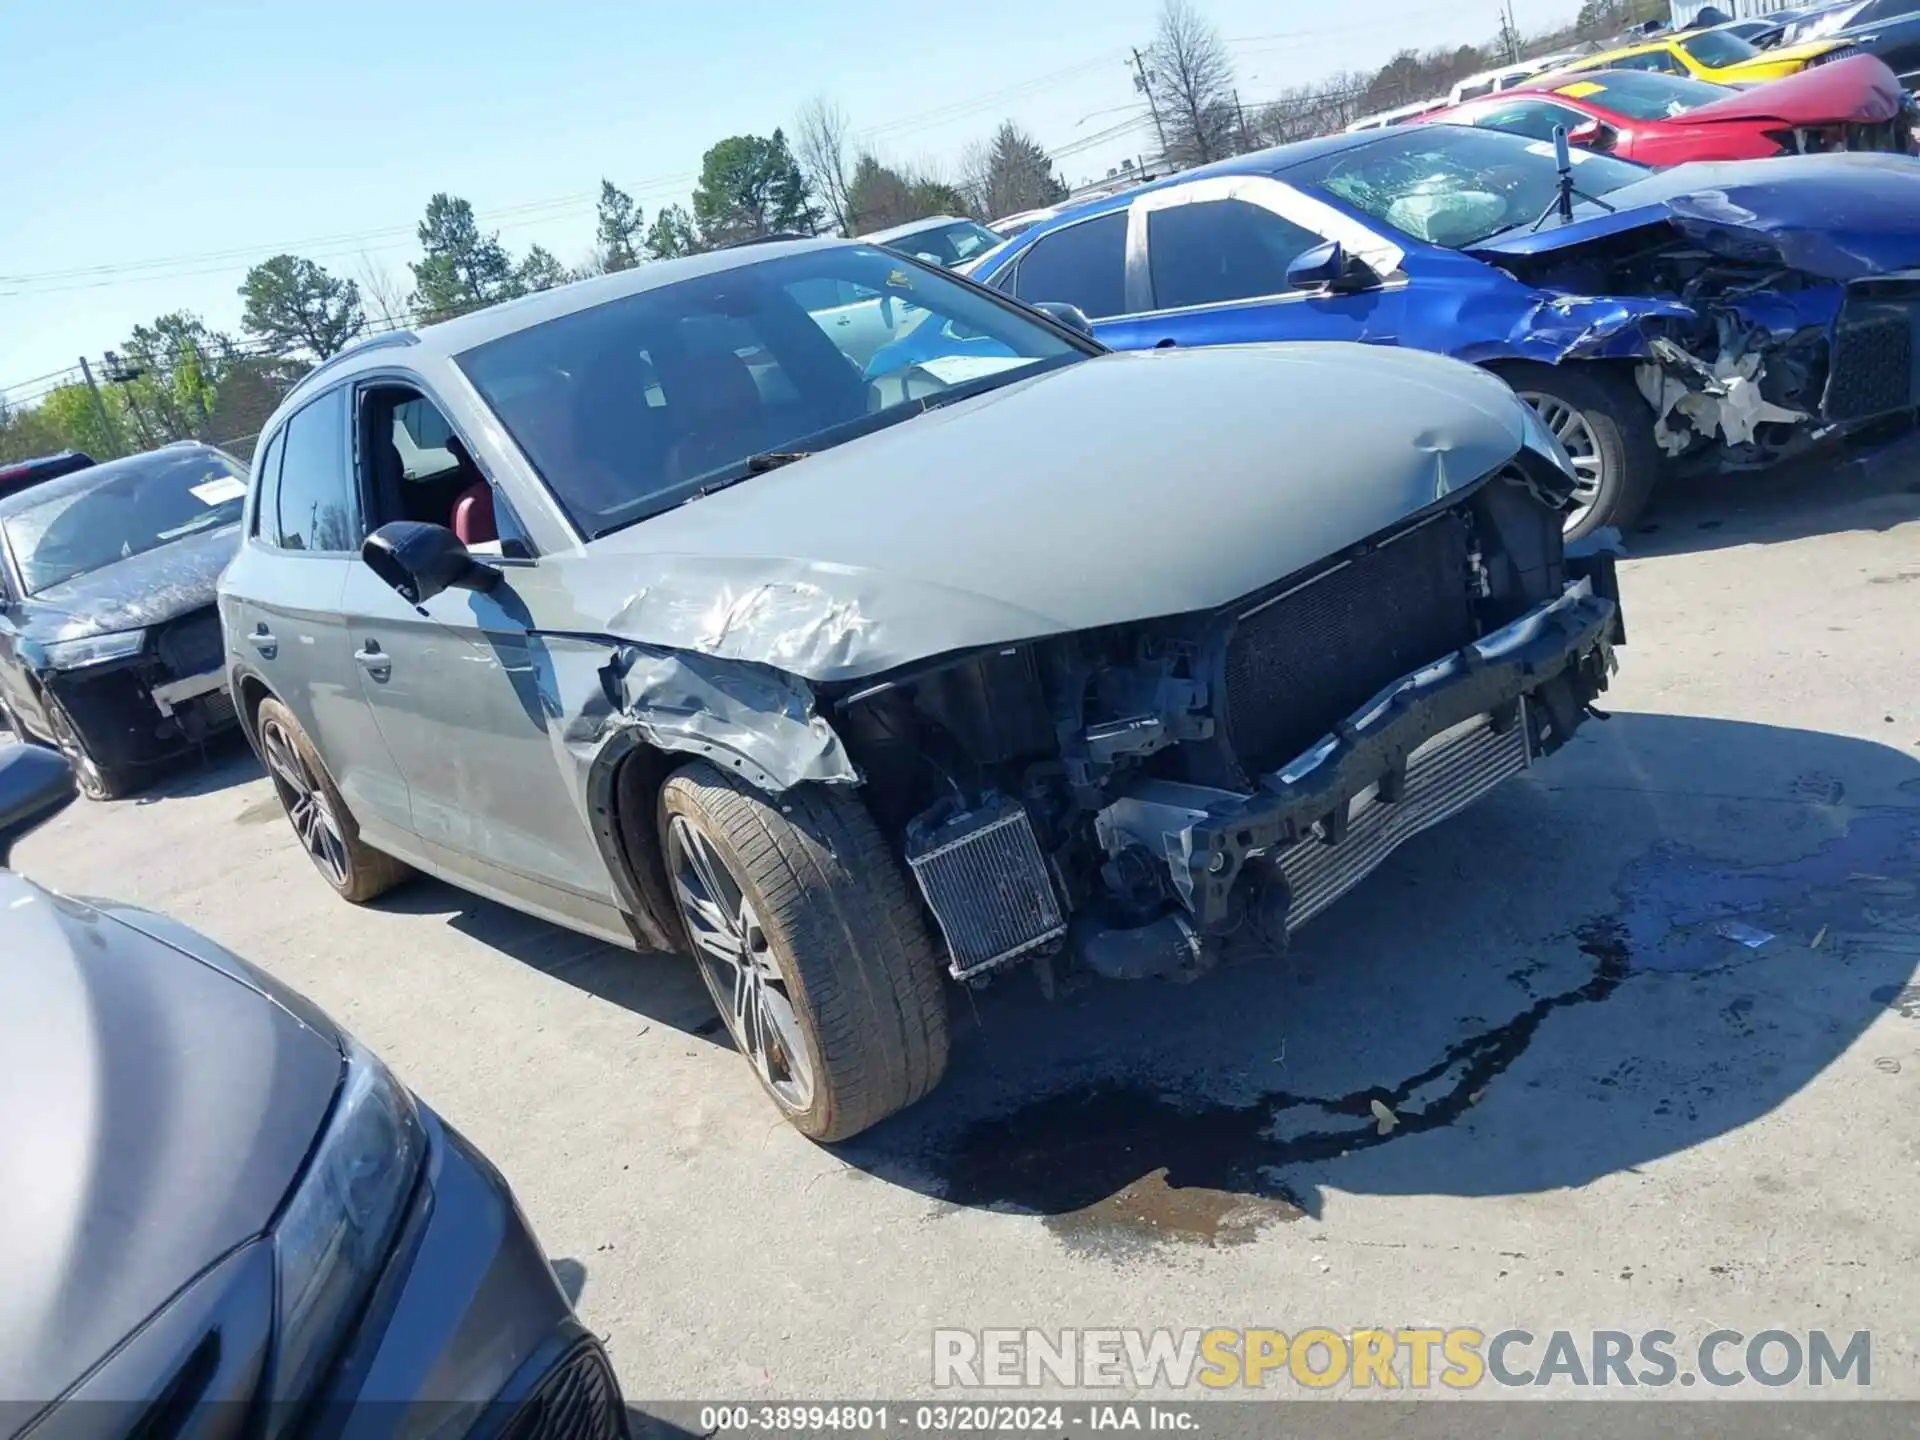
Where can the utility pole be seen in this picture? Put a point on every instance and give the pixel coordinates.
(100, 405)
(1140, 84)
(1246, 140)
(123, 375)
(1510, 33)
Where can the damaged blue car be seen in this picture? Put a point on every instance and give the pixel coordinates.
(1719, 315)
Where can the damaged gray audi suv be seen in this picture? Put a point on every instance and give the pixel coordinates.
(640, 606)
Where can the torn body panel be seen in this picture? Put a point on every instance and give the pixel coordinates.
(1761, 304)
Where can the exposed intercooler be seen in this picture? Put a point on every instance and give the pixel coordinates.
(1443, 777)
(1289, 666)
(988, 885)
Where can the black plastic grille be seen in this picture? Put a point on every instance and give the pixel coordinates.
(1302, 663)
(1872, 371)
(578, 1401)
(192, 645)
(1845, 52)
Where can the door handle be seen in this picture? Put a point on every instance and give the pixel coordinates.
(375, 661)
(1166, 344)
(264, 642)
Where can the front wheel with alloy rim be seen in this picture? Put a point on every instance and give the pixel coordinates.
(321, 821)
(807, 933)
(1607, 431)
(94, 778)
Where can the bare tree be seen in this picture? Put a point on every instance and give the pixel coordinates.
(385, 296)
(820, 145)
(1191, 82)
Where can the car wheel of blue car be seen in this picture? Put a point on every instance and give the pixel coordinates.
(1607, 431)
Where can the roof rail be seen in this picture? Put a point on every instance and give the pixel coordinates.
(391, 340)
(765, 239)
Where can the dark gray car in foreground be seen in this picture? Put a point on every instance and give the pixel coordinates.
(222, 1216)
(642, 606)
(109, 642)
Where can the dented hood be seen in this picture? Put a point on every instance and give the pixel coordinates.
(1859, 90)
(1838, 217)
(1122, 488)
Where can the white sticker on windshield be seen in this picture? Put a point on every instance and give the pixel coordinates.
(220, 490)
(1574, 152)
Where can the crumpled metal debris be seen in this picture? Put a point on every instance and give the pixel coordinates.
(750, 719)
(1724, 399)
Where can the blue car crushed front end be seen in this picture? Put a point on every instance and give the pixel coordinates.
(1762, 302)
(1756, 304)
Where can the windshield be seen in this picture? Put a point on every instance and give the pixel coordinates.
(948, 245)
(131, 507)
(1455, 186)
(645, 402)
(1643, 95)
(1718, 47)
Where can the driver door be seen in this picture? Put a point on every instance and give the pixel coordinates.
(465, 695)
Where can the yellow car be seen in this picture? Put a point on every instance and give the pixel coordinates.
(1716, 55)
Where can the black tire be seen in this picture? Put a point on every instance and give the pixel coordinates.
(1621, 424)
(855, 962)
(356, 871)
(94, 778)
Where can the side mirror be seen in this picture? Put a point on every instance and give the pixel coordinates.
(35, 786)
(1591, 135)
(1071, 316)
(420, 560)
(1329, 267)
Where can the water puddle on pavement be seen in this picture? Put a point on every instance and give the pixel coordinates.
(1115, 1160)
(1118, 1161)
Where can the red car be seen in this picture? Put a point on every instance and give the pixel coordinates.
(1656, 119)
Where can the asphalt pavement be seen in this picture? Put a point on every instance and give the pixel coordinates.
(1644, 1027)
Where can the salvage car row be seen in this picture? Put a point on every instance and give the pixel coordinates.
(853, 626)
(857, 627)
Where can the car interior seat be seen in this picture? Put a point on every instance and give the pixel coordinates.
(719, 405)
(473, 517)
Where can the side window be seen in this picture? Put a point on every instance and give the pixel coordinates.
(416, 467)
(1533, 118)
(1083, 265)
(1220, 250)
(1658, 60)
(316, 497)
(266, 504)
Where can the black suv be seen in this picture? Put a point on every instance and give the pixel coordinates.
(110, 646)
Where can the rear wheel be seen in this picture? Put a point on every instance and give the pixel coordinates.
(1607, 430)
(321, 821)
(812, 945)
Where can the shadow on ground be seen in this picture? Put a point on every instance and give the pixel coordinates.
(1550, 988)
(665, 989)
(1866, 487)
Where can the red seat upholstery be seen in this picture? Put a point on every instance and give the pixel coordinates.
(473, 518)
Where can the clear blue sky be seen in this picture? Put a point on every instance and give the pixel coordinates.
(152, 151)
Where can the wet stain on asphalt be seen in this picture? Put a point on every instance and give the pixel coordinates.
(1115, 1159)
(1120, 1160)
